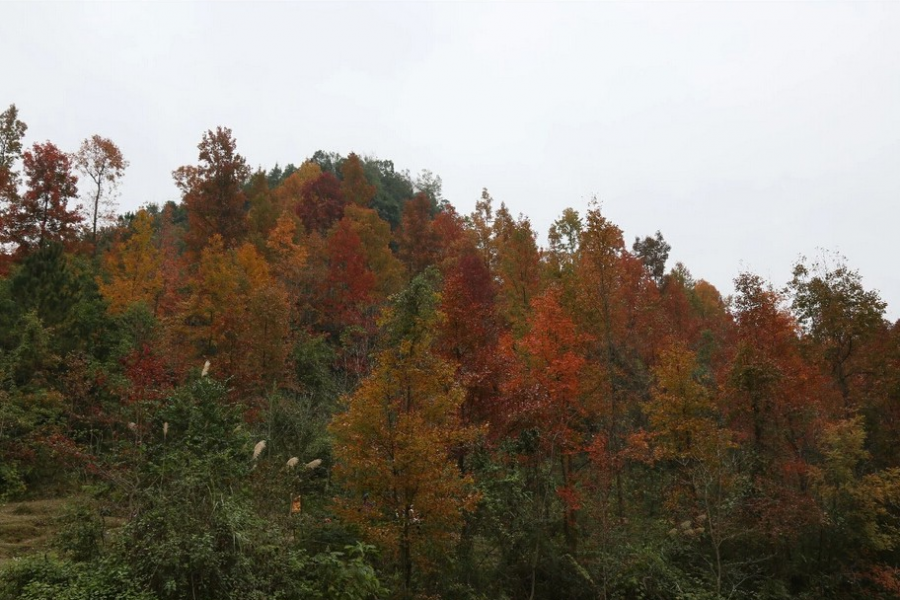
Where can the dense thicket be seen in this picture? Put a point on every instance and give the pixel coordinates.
(323, 382)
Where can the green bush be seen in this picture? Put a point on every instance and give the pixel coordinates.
(42, 578)
(80, 532)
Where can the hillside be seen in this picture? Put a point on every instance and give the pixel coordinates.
(322, 381)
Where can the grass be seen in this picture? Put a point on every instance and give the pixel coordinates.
(28, 526)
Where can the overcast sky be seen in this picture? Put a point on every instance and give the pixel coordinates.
(748, 133)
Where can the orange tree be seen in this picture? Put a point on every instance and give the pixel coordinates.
(133, 268)
(396, 441)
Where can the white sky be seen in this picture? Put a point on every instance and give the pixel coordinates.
(748, 133)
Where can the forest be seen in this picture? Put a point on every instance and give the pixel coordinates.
(322, 381)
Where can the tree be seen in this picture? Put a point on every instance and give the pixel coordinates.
(347, 290)
(277, 175)
(286, 254)
(289, 194)
(354, 185)
(99, 159)
(451, 236)
(543, 392)
(774, 391)
(65, 298)
(470, 331)
(134, 268)
(431, 185)
(838, 315)
(263, 211)
(600, 308)
(173, 263)
(375, 236)
(653, 252)
(259, 347)
(681, 410)
(393, 189)
(213, 193)
(416, 239)
(564, 238)
(481, 222)
(42, 214)
(238, 313)
(861, 504)
(518, 266)
(777, 403)
(12, 130)
(192, 509)
(602, 248)
(394, 444)
(321, 203)
(208, 316)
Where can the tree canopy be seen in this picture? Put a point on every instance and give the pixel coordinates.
(322, 381)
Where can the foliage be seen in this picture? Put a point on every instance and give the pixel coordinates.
(12, 130)
(394, 444)
(653, 252)
(133, 267)
(80, 534)
(42, 578)
(213, 194)
(100, 160)
(42, 214)
(323, 382)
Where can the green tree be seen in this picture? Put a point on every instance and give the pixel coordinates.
(564, 238)
(653, 252)
(191, 531)
(393, 189)
(839, 316)
(62, 293)
(12, 130)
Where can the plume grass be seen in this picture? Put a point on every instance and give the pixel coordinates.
(258, 448)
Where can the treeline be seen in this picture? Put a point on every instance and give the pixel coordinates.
(323, 382)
